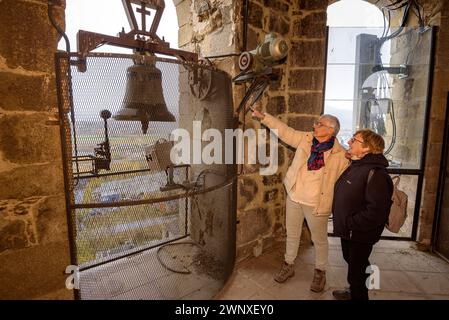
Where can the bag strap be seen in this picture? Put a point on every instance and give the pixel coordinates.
(398, 179)
(370, 175)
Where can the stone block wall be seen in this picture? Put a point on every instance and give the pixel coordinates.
(34, 247)
(439, 15)
(216, 28)
(296, 98)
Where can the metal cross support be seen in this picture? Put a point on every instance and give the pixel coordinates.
(139, 39)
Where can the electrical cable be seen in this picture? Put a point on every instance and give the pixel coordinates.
(377, 126)
(415, 7)
(245, 24)
(383, 39)
(255, 91)
(384, 21)
(239, 112)
(194, 196)
(197, 185)
(418, 8)
(393, 123)
(392, 116)
(402, 25)
(185, 271)
(69, 86)
(242, 166)
(383, 78)
(400, 5)
(388, 22)
(56, 26)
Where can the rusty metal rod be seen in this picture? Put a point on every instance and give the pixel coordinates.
(187, 194)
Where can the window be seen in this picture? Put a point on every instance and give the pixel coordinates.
(344, 26)
(378, 78)
(376, 82)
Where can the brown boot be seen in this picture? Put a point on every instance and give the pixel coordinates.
(287, 271)
(344, 294)
(319, 280)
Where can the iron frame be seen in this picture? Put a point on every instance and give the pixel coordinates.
(69, 176)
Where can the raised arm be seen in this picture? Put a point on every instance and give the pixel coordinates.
(287, 134)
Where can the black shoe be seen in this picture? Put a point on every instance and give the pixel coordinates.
(344, 294)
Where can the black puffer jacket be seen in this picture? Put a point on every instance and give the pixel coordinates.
(360, 209)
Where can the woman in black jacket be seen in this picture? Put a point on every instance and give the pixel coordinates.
(361, 206)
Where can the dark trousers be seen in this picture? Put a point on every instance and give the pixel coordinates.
(356, 254)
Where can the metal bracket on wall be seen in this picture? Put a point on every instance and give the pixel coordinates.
(402, 71)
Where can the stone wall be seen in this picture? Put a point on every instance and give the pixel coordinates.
(34, 247)
(438, 14)
(216, 28)
(297, 98)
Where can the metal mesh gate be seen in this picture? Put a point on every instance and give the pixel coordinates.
(139, 231)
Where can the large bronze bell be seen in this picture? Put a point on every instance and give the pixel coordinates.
(144, 99)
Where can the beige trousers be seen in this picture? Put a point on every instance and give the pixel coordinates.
(295, 214)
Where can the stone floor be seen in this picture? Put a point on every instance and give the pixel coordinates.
(405, 274)
(145, 276)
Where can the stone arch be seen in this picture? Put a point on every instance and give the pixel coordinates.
(366, 14)
(207, 27)
(433, 9)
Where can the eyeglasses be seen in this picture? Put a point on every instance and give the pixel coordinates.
(355, 139)
(318, 124)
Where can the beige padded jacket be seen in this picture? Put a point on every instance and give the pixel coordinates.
(335, 161)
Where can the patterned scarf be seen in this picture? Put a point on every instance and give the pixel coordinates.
(316, 159)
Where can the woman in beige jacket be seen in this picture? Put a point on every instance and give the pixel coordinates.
(318, 162)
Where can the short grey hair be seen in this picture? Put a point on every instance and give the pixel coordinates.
(335, 123)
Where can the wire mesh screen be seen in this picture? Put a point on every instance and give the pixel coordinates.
(103, 87)
(140, 220)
